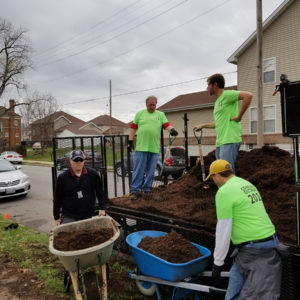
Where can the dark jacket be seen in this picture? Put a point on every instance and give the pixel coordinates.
(75, 197)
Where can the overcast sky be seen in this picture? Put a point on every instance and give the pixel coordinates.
(159, 47)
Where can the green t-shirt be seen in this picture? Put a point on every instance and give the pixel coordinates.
(149, 127)
(240, 201)
(227, 107)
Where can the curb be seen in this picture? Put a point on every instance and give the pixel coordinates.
(37, 163)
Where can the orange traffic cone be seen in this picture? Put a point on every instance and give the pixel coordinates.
(6, 217)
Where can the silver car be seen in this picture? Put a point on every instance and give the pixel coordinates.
(13, 181)
(12, 156)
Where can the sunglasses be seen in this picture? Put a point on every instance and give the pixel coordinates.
(78, 160)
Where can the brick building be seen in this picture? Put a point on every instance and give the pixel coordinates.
(10, 126)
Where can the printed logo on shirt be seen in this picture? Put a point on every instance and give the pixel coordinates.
(79, 194)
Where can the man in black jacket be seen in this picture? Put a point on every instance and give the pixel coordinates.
(76, 191)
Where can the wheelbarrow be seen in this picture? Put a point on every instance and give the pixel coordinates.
(154, 271)
(85, 283)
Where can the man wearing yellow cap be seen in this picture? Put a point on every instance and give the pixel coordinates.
(256, 272)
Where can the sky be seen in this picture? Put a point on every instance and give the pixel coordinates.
(164, 48)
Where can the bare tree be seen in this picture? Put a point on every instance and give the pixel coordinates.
(38, 112)
(14, 55)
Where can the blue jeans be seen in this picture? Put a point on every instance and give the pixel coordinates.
(143, 162)
(236, 280)
(228, 152)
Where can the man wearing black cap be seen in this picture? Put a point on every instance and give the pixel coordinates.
(76, 191)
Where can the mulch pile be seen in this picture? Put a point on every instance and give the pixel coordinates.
(82, 239)
(172, 247)
(270, 169)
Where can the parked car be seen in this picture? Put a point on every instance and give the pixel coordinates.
(37, 146)
(13, 181)
(63, 161)
(12, 156)
(174, 166)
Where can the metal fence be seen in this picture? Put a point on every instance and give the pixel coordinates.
(103, 153)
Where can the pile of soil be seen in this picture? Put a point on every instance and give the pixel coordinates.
(82, 239)
(270, 169)
(172, 247)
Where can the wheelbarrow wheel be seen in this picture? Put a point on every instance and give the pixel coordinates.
(145, 287)
(67, 281)
(91, 288)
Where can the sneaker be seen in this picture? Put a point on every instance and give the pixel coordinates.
(133, 196)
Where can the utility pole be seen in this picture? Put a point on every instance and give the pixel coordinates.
(110, 108)
(260, 107)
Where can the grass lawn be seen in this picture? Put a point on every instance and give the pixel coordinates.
(47, 156)
(28, 252)
(39, 155)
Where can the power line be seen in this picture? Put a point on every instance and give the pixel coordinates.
(119, 26)
(114, 37)
(91, 28)
(143, 90)
(144, 43)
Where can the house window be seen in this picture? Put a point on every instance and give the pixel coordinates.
(17, 134)
(269, 116)
(269, 70)
(6, 134)
(16, 122)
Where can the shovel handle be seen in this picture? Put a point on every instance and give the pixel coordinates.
(198, 137)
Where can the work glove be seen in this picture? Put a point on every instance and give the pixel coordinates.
(216, 275)
(130, 146)
(173, 132)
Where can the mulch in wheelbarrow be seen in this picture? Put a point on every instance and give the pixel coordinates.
(172, 247)
(77, 240)
(270, 169)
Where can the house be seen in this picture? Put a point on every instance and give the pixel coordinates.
(10, 126)
(46, 128)
(199, 108)
(281, 44)
(104, 122)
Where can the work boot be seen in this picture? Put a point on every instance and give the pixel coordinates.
(133, 196)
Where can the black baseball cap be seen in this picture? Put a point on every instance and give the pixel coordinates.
(77, 154)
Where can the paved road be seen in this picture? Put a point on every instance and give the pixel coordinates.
(35, 210)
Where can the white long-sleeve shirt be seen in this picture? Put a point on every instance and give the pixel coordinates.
(223, 234)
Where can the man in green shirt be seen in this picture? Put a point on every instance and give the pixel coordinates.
(227, 116)
(147, 123)
(256, 272)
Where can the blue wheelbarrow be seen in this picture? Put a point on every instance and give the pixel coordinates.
(154, 271)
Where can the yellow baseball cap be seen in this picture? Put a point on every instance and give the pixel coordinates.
(218, 166)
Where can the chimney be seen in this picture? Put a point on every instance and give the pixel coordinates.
(11, 107)
(11, 113)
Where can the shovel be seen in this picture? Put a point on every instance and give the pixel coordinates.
(200, 153)
(162, 171)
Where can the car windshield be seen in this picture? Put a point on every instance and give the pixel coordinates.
(11, 153)
(6, 166)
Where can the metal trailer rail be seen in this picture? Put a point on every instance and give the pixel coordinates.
(181, 288)
(133, 220)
